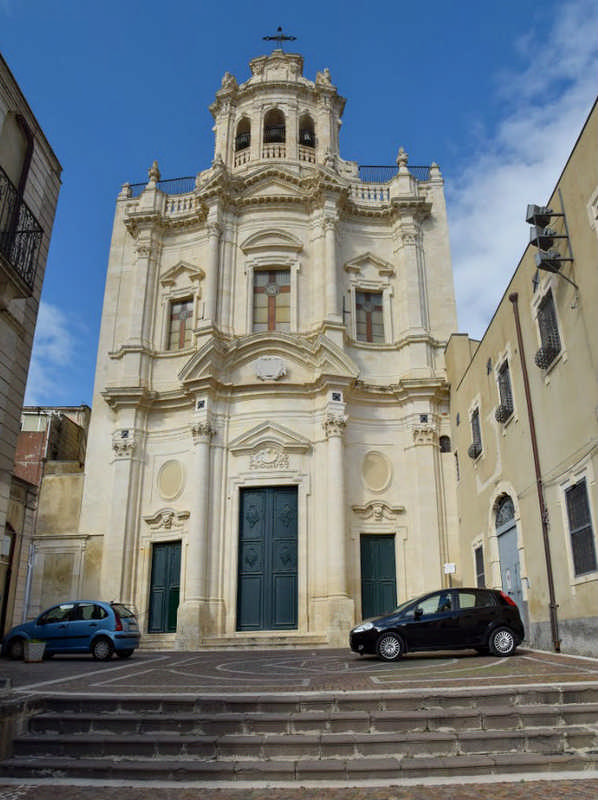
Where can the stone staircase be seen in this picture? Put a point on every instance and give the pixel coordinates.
(350, 737)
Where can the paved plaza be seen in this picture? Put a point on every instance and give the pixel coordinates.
(164, 674)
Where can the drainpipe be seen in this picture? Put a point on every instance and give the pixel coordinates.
(552, 607)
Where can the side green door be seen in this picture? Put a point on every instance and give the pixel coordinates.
(267, 577)
(165, 587)
(378, 575)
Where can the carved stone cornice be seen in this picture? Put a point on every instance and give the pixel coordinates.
(378, 511)
(334, 423)
(166, 519)
(119, 397)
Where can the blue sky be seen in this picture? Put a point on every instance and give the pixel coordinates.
(496, 96)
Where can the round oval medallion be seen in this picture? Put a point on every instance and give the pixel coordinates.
(376, 471)
(170, 479)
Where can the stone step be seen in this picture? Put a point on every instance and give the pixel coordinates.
(213, 724)
(450, 701)
(352, 771)
(320, 746)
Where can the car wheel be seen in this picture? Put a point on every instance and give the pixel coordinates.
(102, 649)
(16, 649)
(502, 642)
(390, 646)
(124, 653)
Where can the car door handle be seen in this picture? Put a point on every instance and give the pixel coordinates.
(93, 624)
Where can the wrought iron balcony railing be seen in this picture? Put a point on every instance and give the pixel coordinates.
(20, 232)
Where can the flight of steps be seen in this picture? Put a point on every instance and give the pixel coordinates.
(351, 737)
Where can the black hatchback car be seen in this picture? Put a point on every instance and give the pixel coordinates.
(450, 619)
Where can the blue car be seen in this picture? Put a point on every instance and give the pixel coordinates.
(79, 626)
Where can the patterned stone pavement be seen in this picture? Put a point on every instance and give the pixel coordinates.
(291, 670)
(582, 789)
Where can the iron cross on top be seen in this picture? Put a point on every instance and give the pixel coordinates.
(280, 37)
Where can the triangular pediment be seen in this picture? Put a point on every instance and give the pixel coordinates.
(269, 435)
(182, 268)
(367, 261)
(272, 187)
(273, 239)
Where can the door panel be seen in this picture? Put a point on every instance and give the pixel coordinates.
(267, 579)
(165, 587)
(509, 564)
(378, 575)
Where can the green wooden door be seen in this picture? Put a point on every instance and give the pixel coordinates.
(165, 587)
(378, 575)
(267, 578)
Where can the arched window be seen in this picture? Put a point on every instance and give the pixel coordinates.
(505, 511)
(307, 136)
(274, 127)
(243, 137)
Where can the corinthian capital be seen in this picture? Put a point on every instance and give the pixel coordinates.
(124, 442)
(214, 229)
(202, 432)
(334, 423)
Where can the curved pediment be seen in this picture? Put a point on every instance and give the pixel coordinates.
(272, 239)
(304, 360)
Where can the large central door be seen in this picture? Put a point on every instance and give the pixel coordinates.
(378, 575)
(267, 579)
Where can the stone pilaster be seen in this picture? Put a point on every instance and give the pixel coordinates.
(192, 612)
(340, 606)
(214, 232)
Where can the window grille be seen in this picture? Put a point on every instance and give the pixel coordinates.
(480, 575)
(580, 529)
(475, 448)
(549, 332)
(505, 409)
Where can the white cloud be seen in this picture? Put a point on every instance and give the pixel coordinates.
(53, 350)
(545, 106)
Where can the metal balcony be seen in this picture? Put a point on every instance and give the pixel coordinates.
(20, 237)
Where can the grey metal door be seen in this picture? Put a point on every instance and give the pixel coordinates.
(506, 530)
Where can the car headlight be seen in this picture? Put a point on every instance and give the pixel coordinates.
(366, 626)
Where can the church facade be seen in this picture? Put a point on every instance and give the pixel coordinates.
(269, 456)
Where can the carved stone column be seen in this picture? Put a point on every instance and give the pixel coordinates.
(428, 504)
(329, 226)
(340, 607)
(214, 232)
(413, 263)
(191, 621)
(142, 294)
(120, 540)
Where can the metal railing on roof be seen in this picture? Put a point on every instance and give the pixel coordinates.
(370, 173)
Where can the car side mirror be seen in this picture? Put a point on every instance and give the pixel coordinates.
(418, 613)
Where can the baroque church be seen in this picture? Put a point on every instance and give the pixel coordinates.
(269, 456)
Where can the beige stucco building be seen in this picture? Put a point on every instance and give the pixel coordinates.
(29, 186)
(528, 457)
(268, 456)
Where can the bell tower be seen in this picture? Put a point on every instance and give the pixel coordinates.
(277, 114)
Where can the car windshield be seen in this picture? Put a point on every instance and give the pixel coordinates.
(407, 603)
(122, 611)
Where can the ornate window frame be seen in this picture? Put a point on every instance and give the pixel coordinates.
(170, 293)
(380, 285)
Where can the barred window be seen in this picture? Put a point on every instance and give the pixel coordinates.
(480, 575)
(504, 388)
(580, 528)
(549, 330)
(475, 448)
